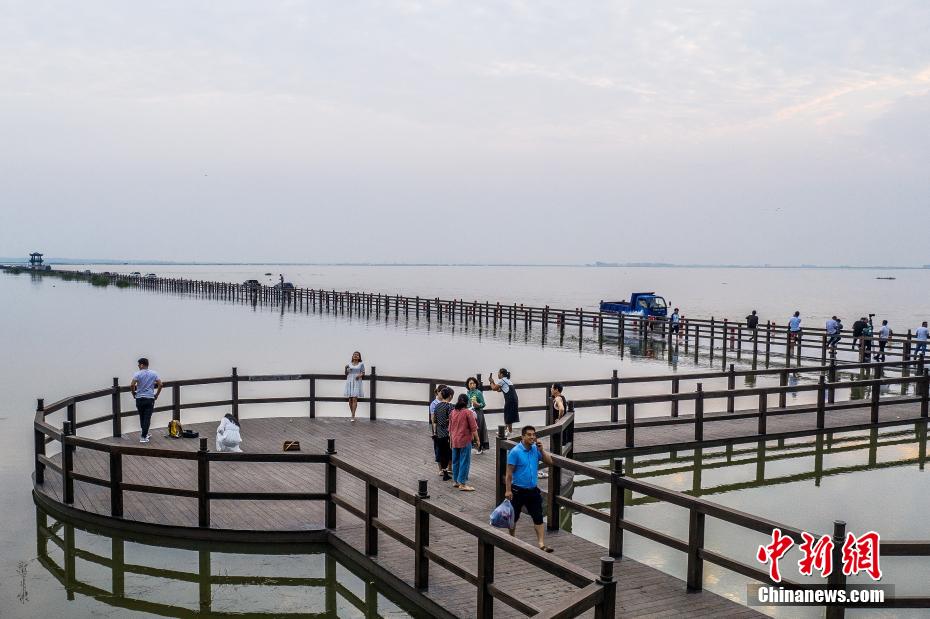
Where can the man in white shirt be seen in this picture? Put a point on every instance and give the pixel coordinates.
(145, 388)
(884, 336)
(922, 334)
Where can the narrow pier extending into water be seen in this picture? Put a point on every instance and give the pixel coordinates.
(722, 340)
(371, 487)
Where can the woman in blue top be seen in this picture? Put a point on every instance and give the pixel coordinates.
(511, 402)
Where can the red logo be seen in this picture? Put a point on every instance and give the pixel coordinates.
(859, 554)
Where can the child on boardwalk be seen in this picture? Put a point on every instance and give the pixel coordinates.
(476, 398)
(463, 429)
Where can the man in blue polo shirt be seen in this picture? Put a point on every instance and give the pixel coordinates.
(520, 484)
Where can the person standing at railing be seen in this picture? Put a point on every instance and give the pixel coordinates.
(511, 402)
(440, 423)
(794, 327)
(884, 336)
(833, 328)
(437, 398)
(355, 388)
(145, 388)
(463, 429)
(476, 399)
(858, 327)
(520, 485)
(675, 322)
(921, 335)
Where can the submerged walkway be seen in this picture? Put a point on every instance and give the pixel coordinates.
(737, 428)
(399, 452)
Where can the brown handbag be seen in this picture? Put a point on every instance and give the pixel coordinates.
(291, 445)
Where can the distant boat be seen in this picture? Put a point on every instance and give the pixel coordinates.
(886, 278)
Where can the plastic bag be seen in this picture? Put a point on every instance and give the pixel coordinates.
(502, 516)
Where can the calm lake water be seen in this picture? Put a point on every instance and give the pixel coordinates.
(61, 338)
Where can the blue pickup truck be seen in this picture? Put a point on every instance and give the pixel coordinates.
(645, 304)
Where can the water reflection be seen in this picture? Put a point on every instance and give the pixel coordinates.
(209, 579)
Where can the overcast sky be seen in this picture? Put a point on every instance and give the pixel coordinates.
(735, 132)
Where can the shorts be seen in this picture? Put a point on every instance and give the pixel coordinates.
(675, 327)
(531, 499)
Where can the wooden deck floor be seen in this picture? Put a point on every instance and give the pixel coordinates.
(607, 443)
(401, 453)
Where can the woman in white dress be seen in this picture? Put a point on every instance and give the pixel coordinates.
(227, 434)
(355, 374)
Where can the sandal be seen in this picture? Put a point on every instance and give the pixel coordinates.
(455, 485)
(465, 488)
(546, 548)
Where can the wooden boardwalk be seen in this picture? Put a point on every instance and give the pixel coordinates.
(399, 452)
(839, 417)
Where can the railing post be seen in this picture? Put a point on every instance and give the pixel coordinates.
(554, 484)
(330, 484)
(731, 385)
(485, 578)
(67, 464)
(831, 377)
(176, 402)
(763, 411)
(837, 579)
(312, 395)
(614, 393)
(695, 545)
(371, 512)
(782, 395)
(71, 416)
(607, 608)
(615, 535)
(876, 388)
(630, 425)
(501, 465)
(676, 384)
(116, 410)
(373, 401)
(39, 446)
(203, 484)
(821, 399)
(421, 540)
(925, 393)
(116, 484)
(234, 382)
(699, 413)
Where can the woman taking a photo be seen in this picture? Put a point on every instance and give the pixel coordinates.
(355, 373)
(476, 401)
(511, 402)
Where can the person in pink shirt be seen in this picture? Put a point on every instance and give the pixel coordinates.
(463, 429)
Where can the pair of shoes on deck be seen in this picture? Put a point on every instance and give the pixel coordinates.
(145, 439)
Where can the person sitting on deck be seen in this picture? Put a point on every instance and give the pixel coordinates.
(227, 434)
(520, 486)
(752, 321)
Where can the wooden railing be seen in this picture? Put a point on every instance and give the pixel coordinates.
(729, 337)
(595, 591)
(560, 433)
(698, 509)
